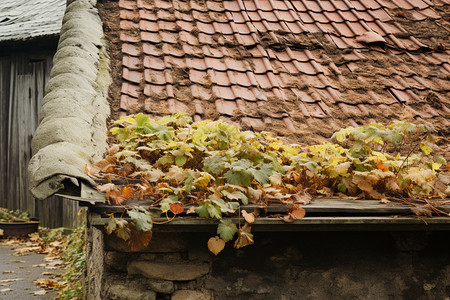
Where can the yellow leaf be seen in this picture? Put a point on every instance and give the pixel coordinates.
(425, 148)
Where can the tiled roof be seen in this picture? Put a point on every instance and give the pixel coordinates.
(297, 67)
(25, 19)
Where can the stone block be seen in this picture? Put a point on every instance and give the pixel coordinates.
(190, 295)
(129, 292)
(181, 271)
(161, 286)
(116, 261)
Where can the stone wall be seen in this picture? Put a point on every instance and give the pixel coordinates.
(281, 265)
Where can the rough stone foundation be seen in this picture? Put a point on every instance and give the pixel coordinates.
(281, 265)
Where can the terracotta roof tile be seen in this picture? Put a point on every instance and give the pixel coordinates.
(272, 64)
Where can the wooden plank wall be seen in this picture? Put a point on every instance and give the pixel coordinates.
(22, 83)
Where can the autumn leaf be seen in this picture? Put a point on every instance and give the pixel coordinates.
(245, 237)
(249, 217)
(302, 198)
(294, 213)
(424, 210)
(115, 197)
(216, 245)
(176, 208)
(139, 240)
(106, 188)
(191, 210)
(381, 166)
(122, 231)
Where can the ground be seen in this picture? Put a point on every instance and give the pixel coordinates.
(20, 268)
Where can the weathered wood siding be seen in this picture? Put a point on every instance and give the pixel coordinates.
(23, 77)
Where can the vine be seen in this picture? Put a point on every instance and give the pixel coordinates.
(212, 168)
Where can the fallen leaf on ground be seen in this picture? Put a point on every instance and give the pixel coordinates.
(47, 284)
(26, 249)
(10, 280)
(40, 265)
(8, 272)
(5, 290)
(216, 245)
(48, 273)
(34, 237)
(17, 261)
(40, 292)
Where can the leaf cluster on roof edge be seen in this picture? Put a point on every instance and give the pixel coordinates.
(216, 168)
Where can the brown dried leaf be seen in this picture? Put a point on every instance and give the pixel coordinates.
(139, 240)
(245, 237)
(294, 213)
(392, 185)
(302, 198)
(216, 245)
(6, 290)
(424, 210)
(106, 188)
(48, 284)
(254, 195)
(249, 217)
(191, 210)
(115, 197)
(176, 208)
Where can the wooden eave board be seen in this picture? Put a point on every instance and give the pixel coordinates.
(317, 206)
(394, 223)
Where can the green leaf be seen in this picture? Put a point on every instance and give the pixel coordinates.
(165, 203)
(263, 172)
(188, 183)
(141, 218)
(166, 160)
(224, 207)
(239, 177)
(226, 230)
(214, 211)
(180, 160)
(202, 210)
(440, 160)
(342, 188)
(244, 199)
(141, 119)
(215, 164)
(111, 226)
